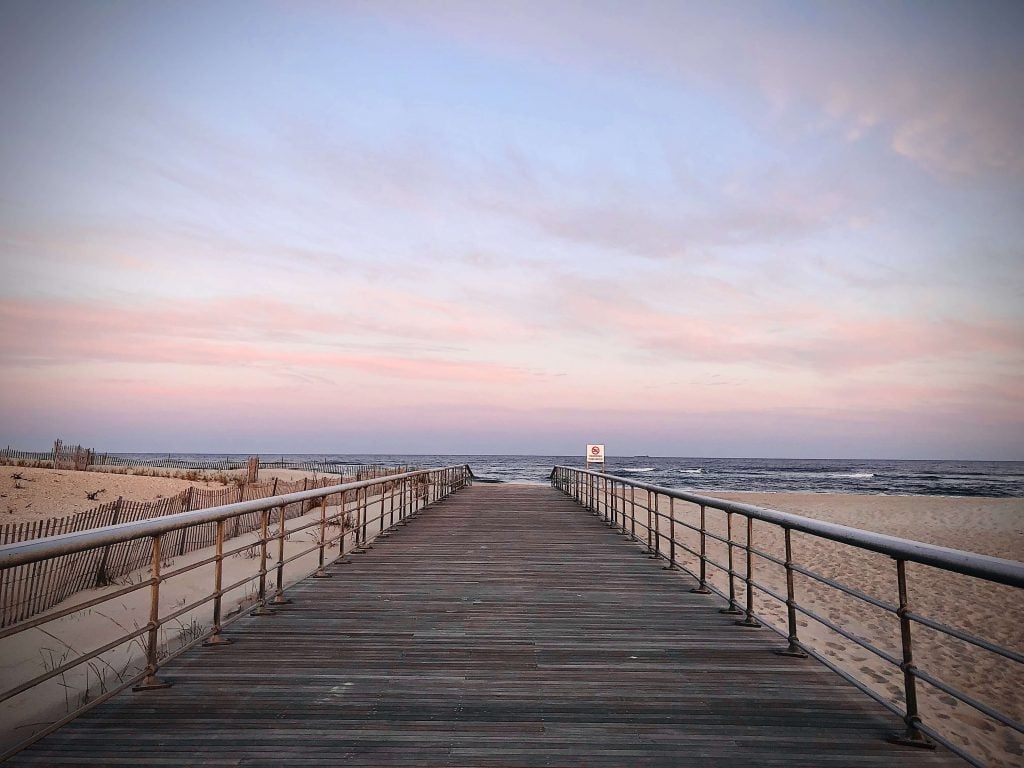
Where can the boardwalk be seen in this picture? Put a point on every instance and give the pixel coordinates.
(502, 627)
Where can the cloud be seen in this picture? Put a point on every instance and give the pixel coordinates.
(938, 83)
(723, 324)
(234, 335)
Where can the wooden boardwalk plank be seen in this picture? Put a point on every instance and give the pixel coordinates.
(502, 627)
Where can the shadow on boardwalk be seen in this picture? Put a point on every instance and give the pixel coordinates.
(502, 627)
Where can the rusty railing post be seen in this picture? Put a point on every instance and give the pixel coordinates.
(749, 620)
(391, 498)
(218, 581)
(793, 649)
(151, 682)
(732, 609)
(360, 531)
(632, 532)
(261, 600)
(912, 735)
(320, 573)
(656, 554)
(671, 535)
(702, 583)
(650, 547)
(279, 598)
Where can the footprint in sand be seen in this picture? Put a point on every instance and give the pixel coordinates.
(873, 674)
(835, 646)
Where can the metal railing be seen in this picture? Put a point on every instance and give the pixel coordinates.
(629, 506)
(362, 510)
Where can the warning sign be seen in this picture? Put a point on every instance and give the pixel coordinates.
(595, 454)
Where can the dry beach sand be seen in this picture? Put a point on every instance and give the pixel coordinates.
(989, 526)
(28, 494)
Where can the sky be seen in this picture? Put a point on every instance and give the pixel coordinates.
(770, 229)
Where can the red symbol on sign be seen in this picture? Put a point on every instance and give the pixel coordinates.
(595, 450)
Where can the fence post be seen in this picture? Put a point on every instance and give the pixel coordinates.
(101, 573)
(793, 649)
(912, 736)
(151, 681)
(186, 506)
(218, 574)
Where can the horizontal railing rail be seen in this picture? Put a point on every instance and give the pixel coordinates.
(364, 509)
(615, 499)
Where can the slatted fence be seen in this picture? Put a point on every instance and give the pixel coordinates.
(30, 589)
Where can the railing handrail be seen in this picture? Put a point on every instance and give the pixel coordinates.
(996, 569)
(65, 544)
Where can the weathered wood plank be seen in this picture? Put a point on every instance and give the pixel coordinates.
(502, 627)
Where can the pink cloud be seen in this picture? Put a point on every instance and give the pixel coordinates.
(225, 334)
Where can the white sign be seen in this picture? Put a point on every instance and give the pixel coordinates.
(595, 454)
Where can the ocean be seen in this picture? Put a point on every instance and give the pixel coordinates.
(708, 475)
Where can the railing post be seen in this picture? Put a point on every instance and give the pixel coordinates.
(650, 528)
(702, 584)
(342, 522)
(279, 598)
(793, 649)
(391, 504)
(261, 606)
(632, 515)
(749, 620)
(608, 516)
(320, 573)
(218, 580)
(401, 502)
(671, 535)
(151, 681)
(656, 554)
(912, 735)
(732, 609)
(361, 512)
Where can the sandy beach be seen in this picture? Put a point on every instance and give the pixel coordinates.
(985, 525)
(28, 493)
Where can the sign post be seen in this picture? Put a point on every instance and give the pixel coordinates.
(595, 455)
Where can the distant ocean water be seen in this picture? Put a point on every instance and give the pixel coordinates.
(704, 475)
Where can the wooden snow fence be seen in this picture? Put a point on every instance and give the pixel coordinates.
(30, 589)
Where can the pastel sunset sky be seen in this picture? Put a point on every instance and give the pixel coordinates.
(769, 229)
